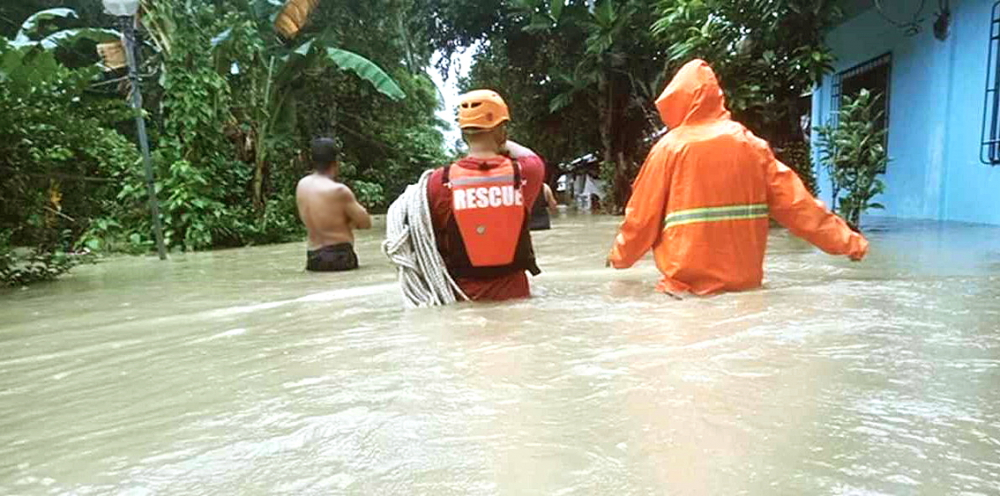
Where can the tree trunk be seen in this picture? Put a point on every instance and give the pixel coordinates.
(259, 173)
(607, 120)
(606, 124)
(623, 183)
(619, 184)
(258, 186)
(263, 128)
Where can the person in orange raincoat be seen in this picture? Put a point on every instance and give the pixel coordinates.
(704, 195)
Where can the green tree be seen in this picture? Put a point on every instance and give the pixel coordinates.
(619, 71)
(266, 67)
(59, 155)
(580, 78)
(767, 53)
(386, 143)
(231, 102)
(584, 74)
(238, 102)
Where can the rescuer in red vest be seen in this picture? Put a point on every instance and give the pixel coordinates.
(481, 204)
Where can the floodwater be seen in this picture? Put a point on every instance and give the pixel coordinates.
(235, 372)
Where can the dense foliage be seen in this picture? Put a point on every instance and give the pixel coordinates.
(60, 159)
(582, 75)
(796, 155)
(231, 105)
(233, 96)
(21, 266)
(853, 151)
(580, 78)
(767, 54)
(238, 104)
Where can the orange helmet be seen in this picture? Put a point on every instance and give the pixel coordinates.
(482, 109)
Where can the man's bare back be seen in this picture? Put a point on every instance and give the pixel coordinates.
(329, 210)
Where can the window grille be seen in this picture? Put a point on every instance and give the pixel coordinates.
(873, 75)
(989, 152)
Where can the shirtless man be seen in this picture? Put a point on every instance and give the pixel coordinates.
(330, 212)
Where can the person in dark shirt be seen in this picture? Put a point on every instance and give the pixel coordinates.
(543, 209)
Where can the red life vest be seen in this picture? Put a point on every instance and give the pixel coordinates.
(488, 230)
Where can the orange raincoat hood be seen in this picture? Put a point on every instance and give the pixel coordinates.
(693, 96)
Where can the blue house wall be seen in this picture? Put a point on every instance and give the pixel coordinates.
(937, 91)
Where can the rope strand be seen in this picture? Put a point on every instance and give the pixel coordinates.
(410, 245)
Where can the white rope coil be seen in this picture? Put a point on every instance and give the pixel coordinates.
(410, 245)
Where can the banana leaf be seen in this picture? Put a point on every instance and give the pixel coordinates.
(70, 36)
(367, 70)
(30, 25)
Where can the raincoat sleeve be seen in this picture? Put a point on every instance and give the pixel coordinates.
(645, 210)
(792, 206)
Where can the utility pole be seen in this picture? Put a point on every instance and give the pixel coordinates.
(125, 11)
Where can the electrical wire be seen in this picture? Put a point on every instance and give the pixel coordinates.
(913, 27)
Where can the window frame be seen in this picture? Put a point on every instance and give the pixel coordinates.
(989, 145)
(836, 90)
(838, 81)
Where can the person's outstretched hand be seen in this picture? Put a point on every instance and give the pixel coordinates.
(860, 252)
(609, 261)
(858, 255)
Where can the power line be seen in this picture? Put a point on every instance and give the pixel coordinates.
(912, 27)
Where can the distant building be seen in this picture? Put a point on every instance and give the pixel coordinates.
(940, 75)
(576, 184)
(572, 179)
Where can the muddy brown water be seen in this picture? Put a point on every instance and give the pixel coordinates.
(235, 372)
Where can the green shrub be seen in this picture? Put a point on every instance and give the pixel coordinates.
(230, 108)
(854, 153)
(796, 155)
(25, 266)
(59, 157)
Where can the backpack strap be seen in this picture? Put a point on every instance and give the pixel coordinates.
(517, 173)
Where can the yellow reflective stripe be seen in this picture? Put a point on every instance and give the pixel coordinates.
(729, 208)
(716, 214)
(716, 219)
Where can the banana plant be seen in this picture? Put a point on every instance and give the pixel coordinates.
(286, 58)
(32, 32)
